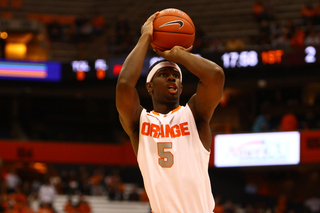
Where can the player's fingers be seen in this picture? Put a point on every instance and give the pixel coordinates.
(189, 48)
(153, 16)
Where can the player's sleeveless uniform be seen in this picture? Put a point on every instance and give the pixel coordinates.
(174, 163)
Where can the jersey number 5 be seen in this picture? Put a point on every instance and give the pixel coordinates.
(166, 157)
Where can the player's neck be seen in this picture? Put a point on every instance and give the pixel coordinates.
(165, 108)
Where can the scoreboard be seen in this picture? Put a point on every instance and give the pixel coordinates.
(251, 62)
(253, 58)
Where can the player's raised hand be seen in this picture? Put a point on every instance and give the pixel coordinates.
(172, 54)
(147, 27)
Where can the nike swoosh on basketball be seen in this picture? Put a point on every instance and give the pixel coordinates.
(172, 23)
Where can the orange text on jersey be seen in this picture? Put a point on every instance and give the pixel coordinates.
(165, 131)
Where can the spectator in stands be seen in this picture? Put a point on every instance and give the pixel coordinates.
(282, 42)
(46, 208)
(229, 207)
(96, 182)
(64, 181)
(312, 204)
(289, 122)
(83, 206)
(54, 30)
(270, 10)
(297, 40)
(73, 182)
(83, 27)
(47, 193)
(261, 123)
(115, 186)
(199, 41)
(122, 29)
(134, 194)
(12, 180)
(276, 30)
(234, 44)
(84, 183)
(99, 24)
(144, 196)
(312, 39)
(69, 207)
(264, 33)
(289, 28)
(317, 13)
(213, 45)
(308, 13)
(258, 11)
(218, 206)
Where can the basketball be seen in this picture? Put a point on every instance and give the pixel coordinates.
(172, 27)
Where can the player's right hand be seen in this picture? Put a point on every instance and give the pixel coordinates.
(147, 27)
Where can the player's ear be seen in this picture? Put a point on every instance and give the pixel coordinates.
(181, 89)
(149, 87)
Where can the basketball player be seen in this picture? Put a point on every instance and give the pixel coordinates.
(172, 142)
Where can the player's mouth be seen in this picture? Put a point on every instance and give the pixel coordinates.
(172, 88)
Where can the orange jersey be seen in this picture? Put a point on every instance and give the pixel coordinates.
(174, 163)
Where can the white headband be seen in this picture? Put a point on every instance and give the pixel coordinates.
(160, 65)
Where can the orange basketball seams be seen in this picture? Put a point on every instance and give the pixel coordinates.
(172, 27)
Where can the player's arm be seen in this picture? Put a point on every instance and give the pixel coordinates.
(127, 99)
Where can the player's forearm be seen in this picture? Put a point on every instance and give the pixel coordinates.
(132, 67)
(203, 68)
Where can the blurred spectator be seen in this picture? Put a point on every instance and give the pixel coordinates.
(54, 30)
(262, 121)
(96, 182)
(83, 206)
(307, 13)
(312, 39)
(84, 183)
(276, 29)
(199, 41)
(144, 196)
(83, 27)
(73, 182)
(64, 181)
(282, 204)
(297, 40)
(218, 206)
(289, 28)
(47, 193)
(213, 45)
(317, 13)
(264, 33)
(122, 29)
(282, 42)
(228, 207)
(134, 194)
(12, 180)
(115, 186)
(99, 24)
(289, 122)
(46, 208)
(313, 204)
(270, 10)
(234, 44)
(258, 11)
(69, 207)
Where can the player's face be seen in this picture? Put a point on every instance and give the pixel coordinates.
(166, 84)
